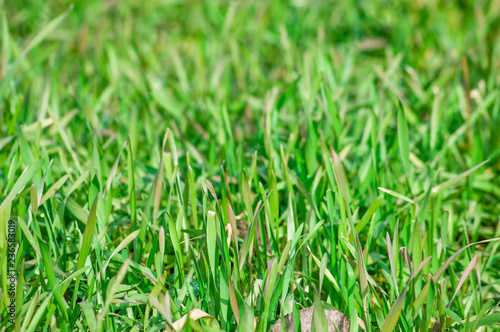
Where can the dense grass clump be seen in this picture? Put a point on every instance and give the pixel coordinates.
(237, 161)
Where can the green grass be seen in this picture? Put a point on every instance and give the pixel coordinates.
(247, 159)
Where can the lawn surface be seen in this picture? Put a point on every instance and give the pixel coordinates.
(243, 160)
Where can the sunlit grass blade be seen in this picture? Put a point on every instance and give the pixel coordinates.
(439, 273)
(328, 274)
(393, 316)
(131, 237)
(464, 276)
(111, 292)
(319, 319)
(397, 195)
(88, 236)
(447, 184)
(369, 213)
(391, 261)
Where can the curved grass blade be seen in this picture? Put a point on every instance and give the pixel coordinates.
(447, 263)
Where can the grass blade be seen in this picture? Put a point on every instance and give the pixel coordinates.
(403, 140)
(464, 276)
